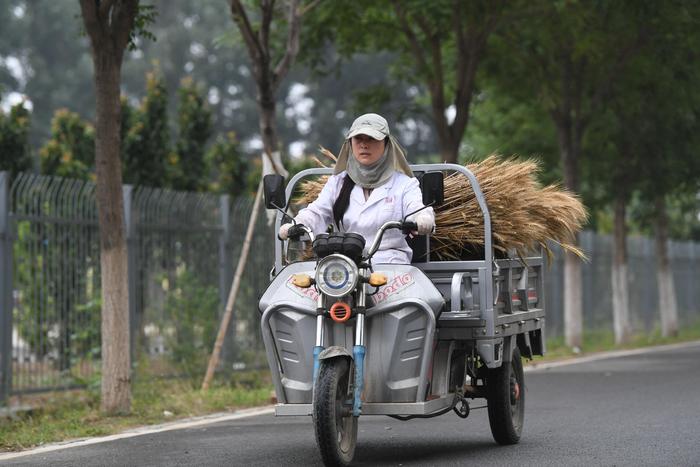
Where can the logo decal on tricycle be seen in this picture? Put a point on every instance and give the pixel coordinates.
(309, 293)
(393, 287)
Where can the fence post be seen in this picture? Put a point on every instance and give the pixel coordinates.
(225, 257)
(587, 244)
(225, 264)
(6, 298)
(132, 265)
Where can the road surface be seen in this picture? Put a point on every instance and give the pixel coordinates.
(641, 409)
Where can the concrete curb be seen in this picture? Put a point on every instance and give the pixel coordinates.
(144, 430)
(534, 367)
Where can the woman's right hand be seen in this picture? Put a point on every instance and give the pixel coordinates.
(283, 234)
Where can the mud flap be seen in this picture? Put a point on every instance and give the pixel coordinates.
(334, 351)
(491, 351)
(524, 345)
(509, 344)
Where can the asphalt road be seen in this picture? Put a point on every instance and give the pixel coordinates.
(633, 410)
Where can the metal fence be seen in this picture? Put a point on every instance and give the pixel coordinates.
(182, 251)
(53, 259)
(641, 276)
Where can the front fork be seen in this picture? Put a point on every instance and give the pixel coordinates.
(320, 329)
(358, 350)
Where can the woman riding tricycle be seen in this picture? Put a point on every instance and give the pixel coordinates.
(368, 328)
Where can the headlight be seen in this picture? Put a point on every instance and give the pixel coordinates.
(336, 275)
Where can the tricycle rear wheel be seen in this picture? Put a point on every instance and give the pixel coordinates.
(335, 426)
(505, 388)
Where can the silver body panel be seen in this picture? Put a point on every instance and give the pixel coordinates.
(400, 331)
(427, 315)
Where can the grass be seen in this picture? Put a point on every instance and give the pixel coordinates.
(604, 340)
(75, 414)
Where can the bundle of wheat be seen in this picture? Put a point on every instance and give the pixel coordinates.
(524, 215)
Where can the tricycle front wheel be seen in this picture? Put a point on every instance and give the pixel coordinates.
(505, 387)
(335, 426)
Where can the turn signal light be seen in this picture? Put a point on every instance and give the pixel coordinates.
(377, 279)
(302, 280)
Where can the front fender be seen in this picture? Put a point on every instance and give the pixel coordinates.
(335, 351)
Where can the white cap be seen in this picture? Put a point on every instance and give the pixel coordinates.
(372, 125)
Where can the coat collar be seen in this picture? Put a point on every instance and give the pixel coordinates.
(378, 194)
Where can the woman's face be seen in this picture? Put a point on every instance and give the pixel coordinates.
(366, 149)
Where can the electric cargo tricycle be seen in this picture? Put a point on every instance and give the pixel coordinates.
(346, 338)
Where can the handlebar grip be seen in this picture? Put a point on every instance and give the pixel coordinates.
(408, 227)
(296, 231)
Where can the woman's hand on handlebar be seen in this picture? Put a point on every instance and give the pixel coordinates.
(409, 227)
(283, 234)
(290, 230)
(425, 223)
(422, 224)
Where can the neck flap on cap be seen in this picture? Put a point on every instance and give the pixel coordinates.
(372, 176)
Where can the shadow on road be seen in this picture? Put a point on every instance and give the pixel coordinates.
(403, 451)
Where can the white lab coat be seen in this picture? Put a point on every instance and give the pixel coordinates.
(392, 201)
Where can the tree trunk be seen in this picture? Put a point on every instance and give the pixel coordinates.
(272, 159)
(268, 75)
(621, 318)
(450, 134)
(116, 379)
(268, 127)
(569, 148)
(668, 307)
(573, 299)
(449, 152)
(449, 145)
(426, 45)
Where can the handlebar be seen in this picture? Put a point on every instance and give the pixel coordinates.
(406, 227)
(297, 230)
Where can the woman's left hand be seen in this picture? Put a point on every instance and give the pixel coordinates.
(425, 223)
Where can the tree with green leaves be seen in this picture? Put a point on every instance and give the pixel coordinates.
(147, 157)
(272, 43)
(666, 117)
(571, 56)
(198, 41)
(49, 75)
(613, 169)
(111, 26)
(507, 123)
(14, 140)
(646, 122)
(194, 130)
(439, 46)
(228, 167)
(272, 55)
(71, 150)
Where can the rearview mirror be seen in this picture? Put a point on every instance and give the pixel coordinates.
(273, 185)
(432, 186)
